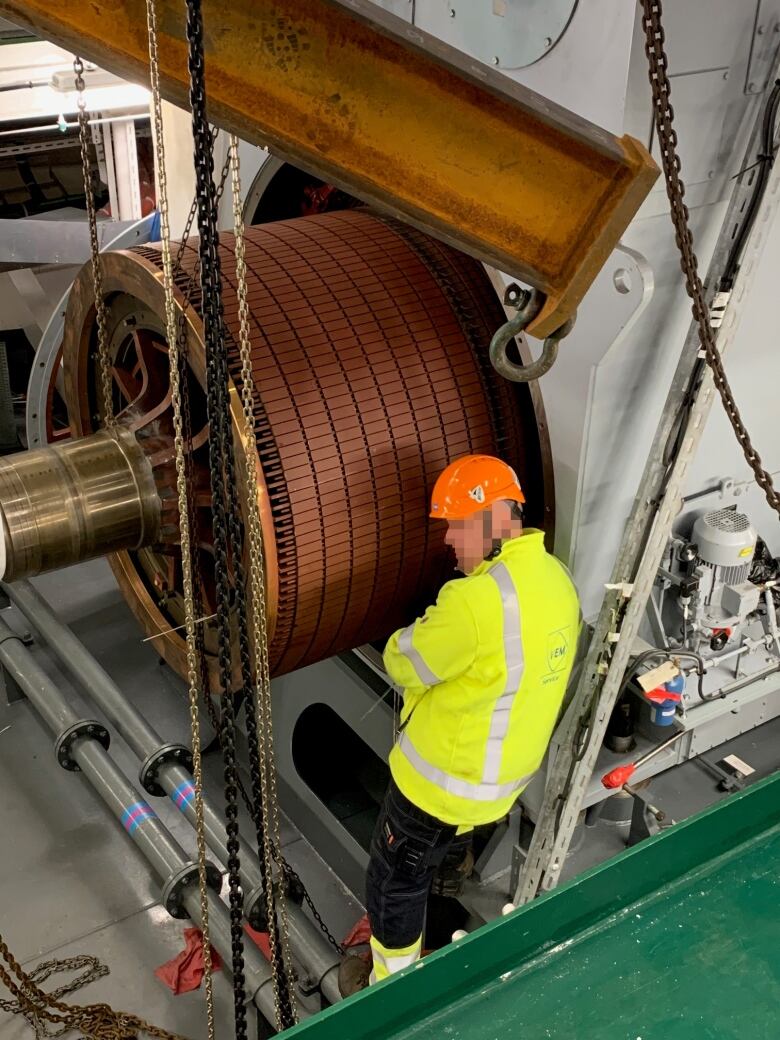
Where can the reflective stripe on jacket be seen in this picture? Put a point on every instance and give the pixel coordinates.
(484, 673)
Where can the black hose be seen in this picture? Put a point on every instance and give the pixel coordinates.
(648, 655)
(764, 161)
(580, 740)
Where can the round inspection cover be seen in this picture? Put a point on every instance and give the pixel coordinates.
(509, 34)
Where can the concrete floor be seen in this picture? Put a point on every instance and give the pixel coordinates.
(72, 882)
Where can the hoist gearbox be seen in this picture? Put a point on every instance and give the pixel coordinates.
(397, 118)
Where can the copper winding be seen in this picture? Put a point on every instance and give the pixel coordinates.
(369, 346)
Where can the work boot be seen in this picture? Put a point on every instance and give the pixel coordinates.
(354, 973)
(450, 877)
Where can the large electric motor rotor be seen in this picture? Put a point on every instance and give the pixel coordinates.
(371, 373)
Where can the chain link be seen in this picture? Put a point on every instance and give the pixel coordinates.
(193, 676)
(95, 1021)
(675, 190)
(289, 874)
(293, 878)
(228, 534)
(217, 406)
(91, 970)
(104, 359)
(269, 804)
(194, 212)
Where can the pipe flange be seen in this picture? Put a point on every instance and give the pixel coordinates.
(255, 911)
(178, 884)
(168, 754)
(255, 904)
(90, 728)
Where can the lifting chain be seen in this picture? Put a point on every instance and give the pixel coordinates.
(214, 346)
(94, 1021)
(292, 878)
(294, 881)
(104, 359)
(268, 803)
(675, 189)
(193, 676)
(228, 542)
(91, 970)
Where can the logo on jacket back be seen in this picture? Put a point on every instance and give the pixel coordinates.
(557, 649)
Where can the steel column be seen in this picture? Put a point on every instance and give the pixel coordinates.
(120, 147)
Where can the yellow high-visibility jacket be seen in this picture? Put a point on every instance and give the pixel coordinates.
(484, 674)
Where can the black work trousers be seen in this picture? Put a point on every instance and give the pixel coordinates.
(407, 848)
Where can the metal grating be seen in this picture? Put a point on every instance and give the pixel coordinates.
(370, 363)
(728, 520)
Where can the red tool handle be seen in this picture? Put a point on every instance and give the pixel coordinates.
(660, 695)
(619, 776)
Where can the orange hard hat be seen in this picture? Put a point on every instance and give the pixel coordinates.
(471, 483)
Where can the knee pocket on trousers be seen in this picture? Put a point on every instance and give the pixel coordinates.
(405, 850)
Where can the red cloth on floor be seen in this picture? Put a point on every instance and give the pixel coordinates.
(184, 972)
(360, 934)
(260, 939)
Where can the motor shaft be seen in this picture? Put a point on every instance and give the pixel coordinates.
(76, 501)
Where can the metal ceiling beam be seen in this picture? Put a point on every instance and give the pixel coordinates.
(368, 102)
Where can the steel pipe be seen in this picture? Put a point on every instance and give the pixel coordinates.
(149, 834)
(309, 945)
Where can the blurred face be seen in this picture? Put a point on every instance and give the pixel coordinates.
(469, 539)
(475, 537)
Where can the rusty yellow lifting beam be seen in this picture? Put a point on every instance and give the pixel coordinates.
(369, 103)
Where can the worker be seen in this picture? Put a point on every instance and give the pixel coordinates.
(483, 674)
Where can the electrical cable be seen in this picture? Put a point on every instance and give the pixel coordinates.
(764, 162)
(580, 741)
(25, 84)
(670, 655)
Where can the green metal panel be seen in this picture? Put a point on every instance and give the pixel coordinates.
(675, 939)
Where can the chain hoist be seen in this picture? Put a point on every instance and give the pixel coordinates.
(675, 189)
(228, 539)
(193, 675)
(104, 358)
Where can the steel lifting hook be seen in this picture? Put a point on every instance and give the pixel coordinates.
(527, 304)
